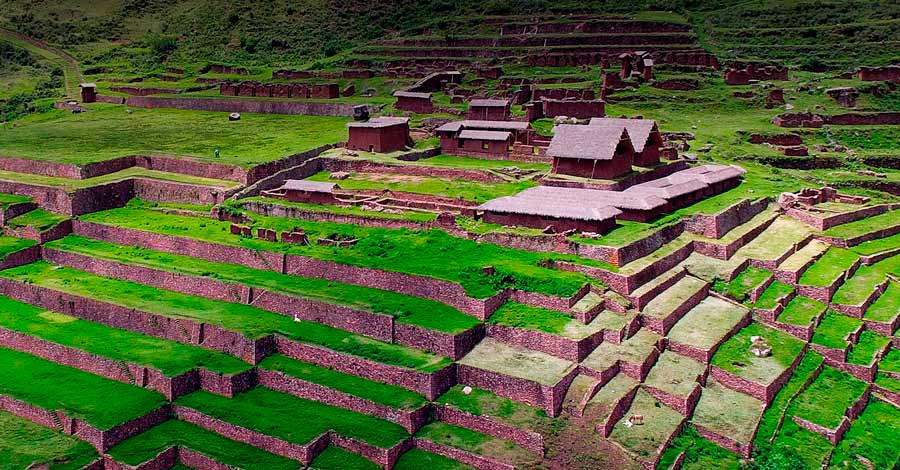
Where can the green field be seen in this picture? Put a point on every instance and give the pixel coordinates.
(28, 445)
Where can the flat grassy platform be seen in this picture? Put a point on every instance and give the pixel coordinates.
(833, 330)
(777, 240)
(728, 413)
(826, 269)
(872, 436)
(633, 350)
(769, 298)
(278, 414)
(9, 245)
(405, 308)
(247, 320)
(385, 394)
(802, 311)
(100, 402)
(877, 245)
(865, 350)
(39, 219)
(413, 216)
(660, 423)
(335, 458)
(518, 315)
(145, 446)
(826, 400)
(667, 301)
(107, 131)
(734, 355)
(29, 445)
(707, 323)
(477, 443)
(740, 287)
(133, 172)
(495, 356)
(856, 289)
(432, 253)
(700, 453)
(887, 306)
(803, 255)
(675, 374)
(169, 357)
(482, 402)
(416, 459)
(862, 226)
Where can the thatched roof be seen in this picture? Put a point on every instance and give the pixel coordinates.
(587, 142)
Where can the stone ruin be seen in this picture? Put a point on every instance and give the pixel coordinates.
(845, 96)
(809, 197)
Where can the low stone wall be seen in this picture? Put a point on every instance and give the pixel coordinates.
(617, 412)
(548, 397)
(726, 442)
(30, 233)
(234, 105)
(848, 242)
(824, 293)
(555, 345)
(705, 355)
(21, 257)
(684, 405)
(662, 326)
(364, 166)
(277, 210)
(626, 284)
(429, 384)
(459, 455)
(835, 435)
(718, 224)
(15, 210)
(412, 420)
(762, 392)
(725, 252)
(527, 439)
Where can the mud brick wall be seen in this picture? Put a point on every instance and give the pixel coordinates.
(244, 106)
(303, 453)
(412, 420)
(432, 384)
(183, 331)
(561, 347)
(718, 224)
(527, 439)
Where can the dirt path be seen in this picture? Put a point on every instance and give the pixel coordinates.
(68, 63)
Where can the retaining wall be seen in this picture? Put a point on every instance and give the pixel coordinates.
(310, 108)
(527, 439)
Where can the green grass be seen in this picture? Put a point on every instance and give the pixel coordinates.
(10, 245)
(107, 131)
(415, 459)
(432, 253)
(734, 355)
(872, 436)
(699, 453)
(827, 398)
(769, 298)
(518, 315)
(278, 414)
(169, 357)
(405, 308)
(740, 287)
(856, 289)
(833, 330)
(475, 191)
(128, 173)
(335, 458)
(801, 311)
(7, 200)
(891, 361)
(862, 226)
(477, 443)
(767, 428)
(829, 267)
(247, 320)
(145, 446)
(877, 245)
(389, 395)
(40, 219)
(101, 402)
(471, 163)
(29, 445)
(482, 402)
(870, 343)
(346, 210)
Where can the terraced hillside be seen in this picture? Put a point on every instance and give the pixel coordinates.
(182, 288)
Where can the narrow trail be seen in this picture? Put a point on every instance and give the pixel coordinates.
(68, 63)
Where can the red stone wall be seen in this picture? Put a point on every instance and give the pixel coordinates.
(244, 105)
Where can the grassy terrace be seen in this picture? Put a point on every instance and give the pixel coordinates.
(40, 219)
(476, 191)
(173, 432)
(700, 453)
(833, 330)
(769, 298)
(133, 172)
(29, 445)
(660, 422)
(728, 412)
(107, 131)
(769, 425)
(633, 350)
(675, 374)
(869, 344)
(856, 289)
(801, 311)
(7, 200)
(518, 315)
(278, 414)
(407, 309)
(744, 282)
(667, 301)
(877, 245)
(416, 459)
(873, 436)
(486, 403)
(249, 321)
(9, 245)
(777, 240)
(385, 394)
(471, 163)
(887, 306)
(477, 443)
(335, 458)
(347, 210)
(863, 226)
(734, 355)
(829, 267)
(826, 400)
(707, 323)
(101, 402)
(431, 253)
(803, 255)
(495, 356)
(170, 357)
